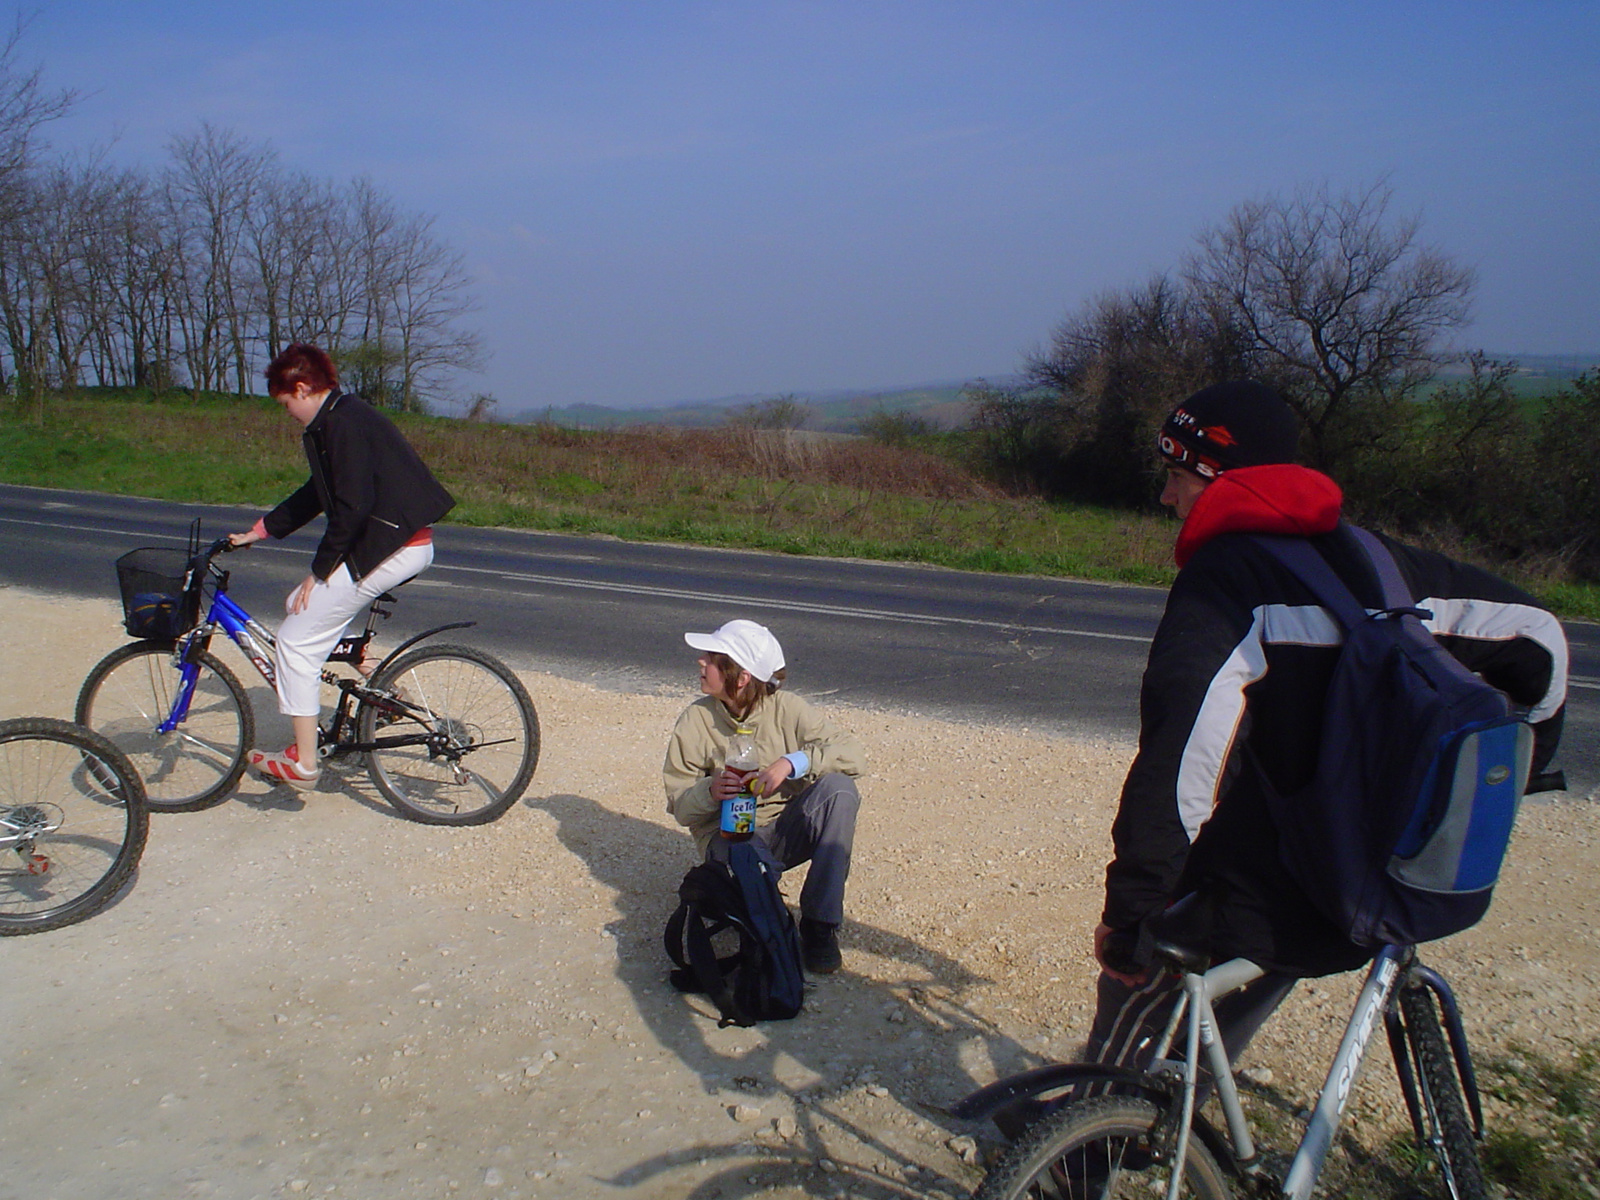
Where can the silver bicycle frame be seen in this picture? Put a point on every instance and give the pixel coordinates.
(1382, 979)
(1195, 1006)
(1198, 992)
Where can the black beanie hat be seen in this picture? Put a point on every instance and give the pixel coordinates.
(1237, 424)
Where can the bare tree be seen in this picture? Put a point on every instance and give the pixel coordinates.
(1110, 372)
(1341, 302)
(25, 106)
(212, 186)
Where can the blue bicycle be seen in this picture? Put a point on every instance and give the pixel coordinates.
(448, 733)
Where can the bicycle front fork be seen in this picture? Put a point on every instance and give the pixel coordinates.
(1426, 977)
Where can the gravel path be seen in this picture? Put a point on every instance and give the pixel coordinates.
(318, 998)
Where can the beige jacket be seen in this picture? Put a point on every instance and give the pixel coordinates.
(783, 723)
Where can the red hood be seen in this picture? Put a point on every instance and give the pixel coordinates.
(1279, 498)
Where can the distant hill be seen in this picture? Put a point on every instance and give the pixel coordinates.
(830, 412)
(942, 404)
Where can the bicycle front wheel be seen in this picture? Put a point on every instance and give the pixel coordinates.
(1104, 1147)
(132, 691)
(480, 729)
(1447, 1129)
(72, 823)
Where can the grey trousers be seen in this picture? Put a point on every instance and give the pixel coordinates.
(817, 826)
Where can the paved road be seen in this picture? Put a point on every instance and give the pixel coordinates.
(1037, 652)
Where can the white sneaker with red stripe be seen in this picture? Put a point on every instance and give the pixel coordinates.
(285, 768)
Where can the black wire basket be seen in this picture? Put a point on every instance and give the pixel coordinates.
(160, 598)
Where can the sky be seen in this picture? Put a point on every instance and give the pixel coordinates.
(663, 202)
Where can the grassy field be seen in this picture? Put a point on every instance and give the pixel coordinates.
(785, 492)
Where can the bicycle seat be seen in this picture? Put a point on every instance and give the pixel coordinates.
(389, 597)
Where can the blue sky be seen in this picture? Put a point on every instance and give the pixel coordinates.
(672, 201)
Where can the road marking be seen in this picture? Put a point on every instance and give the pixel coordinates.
(747, 601)
(867, 614)
(1583, 681)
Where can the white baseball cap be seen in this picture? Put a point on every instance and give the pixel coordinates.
(750, 645)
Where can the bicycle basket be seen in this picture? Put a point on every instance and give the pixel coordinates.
(155, 603)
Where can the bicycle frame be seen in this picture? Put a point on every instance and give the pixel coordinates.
(256, 642)
(1393, 968)
(1173, 1084)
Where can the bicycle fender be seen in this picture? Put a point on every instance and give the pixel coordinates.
(1003, 1093)
(412, 641)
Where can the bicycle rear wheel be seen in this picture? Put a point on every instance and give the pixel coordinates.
(72, 823)
(1448, 1131)
(482, 731)
(1105, 1147)
(132, 690)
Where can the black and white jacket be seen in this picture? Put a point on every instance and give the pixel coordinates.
(366, 477)
(1234, 689)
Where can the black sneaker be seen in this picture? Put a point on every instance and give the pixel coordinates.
(819, 947)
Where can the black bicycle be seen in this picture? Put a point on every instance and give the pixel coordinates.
(72, 823)
(448, 733)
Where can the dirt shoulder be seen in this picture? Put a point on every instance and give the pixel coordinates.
(320, 998)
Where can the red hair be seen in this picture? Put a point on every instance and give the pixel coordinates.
(301, 362)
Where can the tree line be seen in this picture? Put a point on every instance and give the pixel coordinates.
(1337, 301)
(196, 272)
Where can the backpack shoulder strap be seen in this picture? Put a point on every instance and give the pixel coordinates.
(1395, 592)
(688, 936)
(1300, 559)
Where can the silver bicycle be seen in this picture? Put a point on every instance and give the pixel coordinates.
(1104, 1131)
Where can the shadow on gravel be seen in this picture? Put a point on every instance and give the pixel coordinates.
(867, 1056)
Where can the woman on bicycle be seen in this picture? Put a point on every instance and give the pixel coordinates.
(380, 501)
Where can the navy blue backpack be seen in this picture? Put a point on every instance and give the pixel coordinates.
(1400, 836)
(761, 980)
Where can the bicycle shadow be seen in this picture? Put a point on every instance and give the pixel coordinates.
(900, 1040)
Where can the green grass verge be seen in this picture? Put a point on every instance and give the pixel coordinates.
(789, 494)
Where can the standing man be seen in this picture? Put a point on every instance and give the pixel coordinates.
(1232, 701)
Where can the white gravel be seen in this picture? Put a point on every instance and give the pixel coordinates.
(319, 998)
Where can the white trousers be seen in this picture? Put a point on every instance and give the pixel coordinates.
(306, 637)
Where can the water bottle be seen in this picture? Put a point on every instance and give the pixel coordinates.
(739, 810)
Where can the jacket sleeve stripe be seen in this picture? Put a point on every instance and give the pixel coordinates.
(1205, 753)
(1497, 621)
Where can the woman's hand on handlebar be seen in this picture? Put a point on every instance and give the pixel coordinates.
(238, 541)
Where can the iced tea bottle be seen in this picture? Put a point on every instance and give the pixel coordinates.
(739, 810)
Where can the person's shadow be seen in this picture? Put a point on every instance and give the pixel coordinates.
(921, 1045)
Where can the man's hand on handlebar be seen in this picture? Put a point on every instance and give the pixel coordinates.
(1113, 950)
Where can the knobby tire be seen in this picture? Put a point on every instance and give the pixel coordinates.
(1444, 1111)
(1101, 1147)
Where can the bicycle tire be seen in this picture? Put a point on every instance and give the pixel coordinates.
(1098, 1147)
(477, 701)
(1444, 1111)
(130, 692)
(73, 823)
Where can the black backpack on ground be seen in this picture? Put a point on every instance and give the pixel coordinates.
(762, 979)
(1422, 765)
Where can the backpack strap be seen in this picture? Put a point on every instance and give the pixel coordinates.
(1303, 561)
(1396, 594)
(699, 916)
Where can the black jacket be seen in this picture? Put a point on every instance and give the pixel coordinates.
(1242, 659)
(366, 477)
